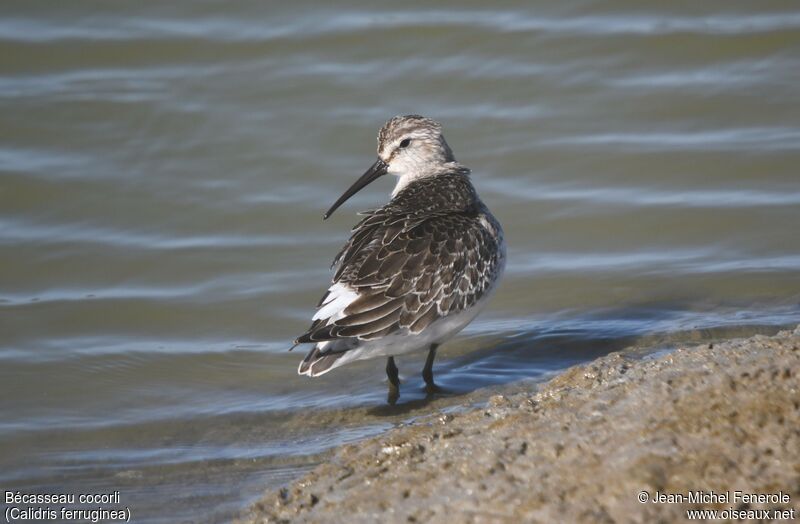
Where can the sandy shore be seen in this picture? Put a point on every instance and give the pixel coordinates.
(583, 447)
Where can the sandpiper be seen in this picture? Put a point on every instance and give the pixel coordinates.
(415, 271)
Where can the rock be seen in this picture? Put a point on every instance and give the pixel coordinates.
(584, 447)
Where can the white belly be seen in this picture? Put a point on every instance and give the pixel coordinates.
(399, 344)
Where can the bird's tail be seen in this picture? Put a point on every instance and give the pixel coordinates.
(323, 357)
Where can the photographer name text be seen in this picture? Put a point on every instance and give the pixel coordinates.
(720, 497)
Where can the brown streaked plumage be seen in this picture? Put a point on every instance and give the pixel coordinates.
(415, 271)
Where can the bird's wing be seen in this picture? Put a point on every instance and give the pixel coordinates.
(401, 273)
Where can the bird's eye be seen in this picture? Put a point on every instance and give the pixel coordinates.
(405, 143)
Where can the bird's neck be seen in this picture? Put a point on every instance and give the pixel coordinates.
(411, 176)
(450, 190)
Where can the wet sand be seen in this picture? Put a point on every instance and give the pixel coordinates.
(582, 447)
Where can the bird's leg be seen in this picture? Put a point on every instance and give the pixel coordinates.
(427, 372)
(394, 381)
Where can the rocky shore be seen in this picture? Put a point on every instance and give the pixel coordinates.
(718, 425)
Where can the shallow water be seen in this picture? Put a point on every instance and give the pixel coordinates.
(164, 169)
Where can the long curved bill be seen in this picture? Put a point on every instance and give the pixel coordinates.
(376, 170)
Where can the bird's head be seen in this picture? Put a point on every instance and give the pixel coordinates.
(409, 147)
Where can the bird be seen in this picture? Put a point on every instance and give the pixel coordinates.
(415, 271)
